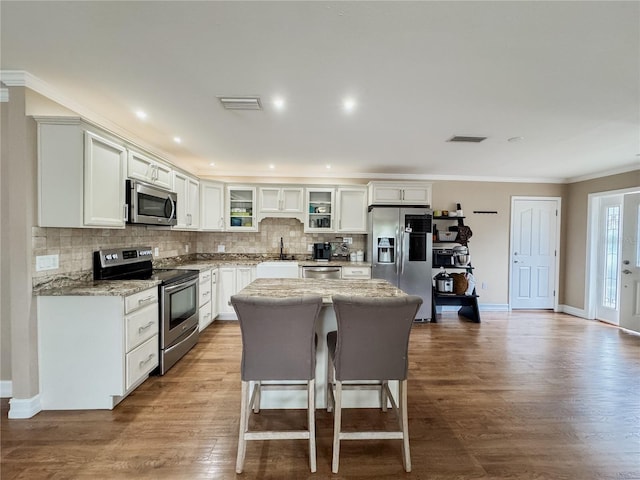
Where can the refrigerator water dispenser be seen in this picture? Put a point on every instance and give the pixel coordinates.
(385, 250)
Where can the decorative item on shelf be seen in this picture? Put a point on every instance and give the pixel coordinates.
(464, 234)
(459, 212)
(460, 283)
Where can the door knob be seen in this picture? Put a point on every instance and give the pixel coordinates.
(626, 271)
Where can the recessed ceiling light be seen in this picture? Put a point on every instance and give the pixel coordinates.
(212, 164)
(349, 104)
(328, 166)
(278, 103)
(177, 139)
(272, 166)
(141, 114)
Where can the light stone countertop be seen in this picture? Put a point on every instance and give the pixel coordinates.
(101, 288)
(296, 287)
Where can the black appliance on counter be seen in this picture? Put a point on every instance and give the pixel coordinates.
(443, 257)
(178, 293)
(322, 251)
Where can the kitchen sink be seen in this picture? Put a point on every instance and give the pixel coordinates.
(277, 269)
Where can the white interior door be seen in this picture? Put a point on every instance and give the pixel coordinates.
(534, 238)
(608, 258)
(630, 278)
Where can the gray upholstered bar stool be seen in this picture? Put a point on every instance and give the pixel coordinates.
(371, 344)
(278, 344)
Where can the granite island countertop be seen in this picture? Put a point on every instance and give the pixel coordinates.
(295, 287)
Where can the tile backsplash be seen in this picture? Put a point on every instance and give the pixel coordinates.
(75, 246)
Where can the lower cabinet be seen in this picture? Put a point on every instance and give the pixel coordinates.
(231, 280)
(360, 273)
(93, 350)
(207, 299)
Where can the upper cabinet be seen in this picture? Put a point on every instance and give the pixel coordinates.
(281, 201)
(188, 202)
(405, 193)
(211, 206)
(241, 208)
(352, 209)
(142, 167)
(320, 209)
(81, 173)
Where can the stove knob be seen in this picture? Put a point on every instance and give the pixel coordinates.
(108, 256)
(115, 256)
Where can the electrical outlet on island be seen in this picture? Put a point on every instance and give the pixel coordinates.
(220, 248)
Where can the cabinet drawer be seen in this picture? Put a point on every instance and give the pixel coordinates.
(142, 360)
(140, 299)
(356, 272)
(204, 316)
(141, 325)
(205, 287)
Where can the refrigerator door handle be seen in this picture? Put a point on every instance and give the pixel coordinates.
(398, 253)
(402, 253)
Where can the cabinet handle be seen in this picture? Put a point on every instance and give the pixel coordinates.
(206, 294)
(126, 212)
(205, 278)
(148, 359)
(144, 300)
(145, 327)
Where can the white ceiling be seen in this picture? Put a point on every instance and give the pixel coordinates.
(565, 76)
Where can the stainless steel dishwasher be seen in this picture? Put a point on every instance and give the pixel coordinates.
(322, 272)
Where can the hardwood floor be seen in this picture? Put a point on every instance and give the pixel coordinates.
(524, 395)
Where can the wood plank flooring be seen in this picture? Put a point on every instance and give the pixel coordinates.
(524, 395)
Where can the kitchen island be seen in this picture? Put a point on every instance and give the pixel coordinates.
(295, 287)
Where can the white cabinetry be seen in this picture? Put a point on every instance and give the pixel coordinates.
(95, 350)
(188, 200)
(231, 280)
(406, 193)
(142, 167)
(319, 211)
(241, 208)
(349, 272)
(352, 210)
(280, 201)
(81, 172)
(205, 291)
(211, 206)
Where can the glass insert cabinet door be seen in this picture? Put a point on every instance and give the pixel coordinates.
(320, 209)
(241, 208)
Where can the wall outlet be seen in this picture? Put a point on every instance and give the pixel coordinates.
(310, 247)
(484, 285)
(220, 248)
(186, 248)
(347, 240)
(156, 252)
(47, 262)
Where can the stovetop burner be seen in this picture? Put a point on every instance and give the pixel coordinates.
(134, 264)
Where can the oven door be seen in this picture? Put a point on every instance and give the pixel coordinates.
(179, 311)
(150, 205)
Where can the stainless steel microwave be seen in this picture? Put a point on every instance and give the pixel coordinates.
(150, 205)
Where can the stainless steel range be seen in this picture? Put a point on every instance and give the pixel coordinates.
(178, 295)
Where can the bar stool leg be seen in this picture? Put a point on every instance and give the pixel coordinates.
(311, 416)
(337, 421)
(406, 453)
(244, 425)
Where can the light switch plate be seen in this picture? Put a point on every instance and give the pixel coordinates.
(47, 262)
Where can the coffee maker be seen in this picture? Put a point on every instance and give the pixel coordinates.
(322, 251)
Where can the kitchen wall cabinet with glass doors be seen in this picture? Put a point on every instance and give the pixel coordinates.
(241, 208)
(320, 210)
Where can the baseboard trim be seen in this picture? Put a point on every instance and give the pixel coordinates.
(24, 407)
(6, 388)
(483, 307)
(576, 312)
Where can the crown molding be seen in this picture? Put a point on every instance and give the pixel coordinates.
(605, 173)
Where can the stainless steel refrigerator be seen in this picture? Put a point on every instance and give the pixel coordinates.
(400, 242)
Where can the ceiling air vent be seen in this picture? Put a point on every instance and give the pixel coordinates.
(466, 139)
(241, 103)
